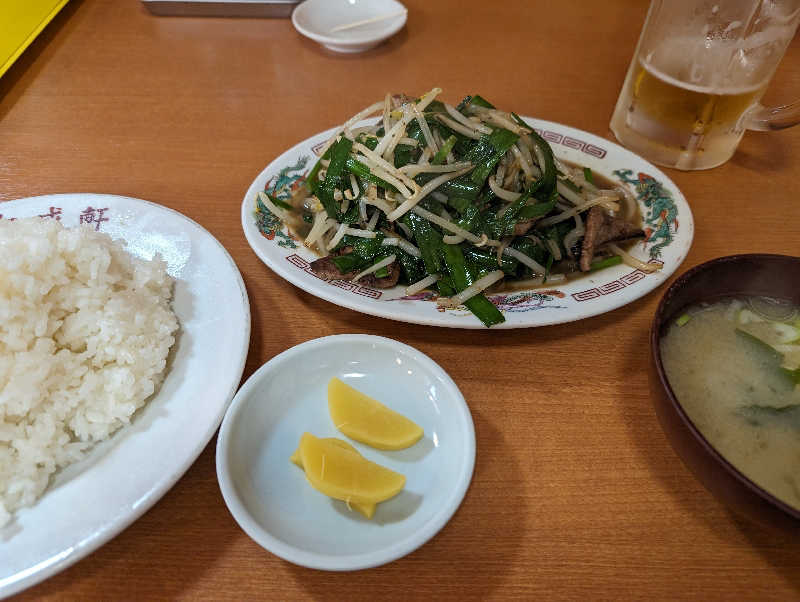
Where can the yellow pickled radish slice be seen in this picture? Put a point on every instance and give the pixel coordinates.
(366, 420)
(345, 475)
(368, 510)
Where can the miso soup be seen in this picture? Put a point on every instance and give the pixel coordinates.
(734, 366)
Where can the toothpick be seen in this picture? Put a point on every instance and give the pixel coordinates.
(368, 21)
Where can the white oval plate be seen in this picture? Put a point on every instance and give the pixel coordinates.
(90, 502)
(269, 496)
(667, 219)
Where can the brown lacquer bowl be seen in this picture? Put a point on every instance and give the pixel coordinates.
(770, 275)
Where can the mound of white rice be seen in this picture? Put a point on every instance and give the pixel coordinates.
(85, 329)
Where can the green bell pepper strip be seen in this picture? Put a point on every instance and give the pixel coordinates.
(607, 262)
(368, 140)
(483, 153)
(487, 260)
(263, 209)
(414, 131)
(463, 143)
(533, 250)
(506, 223)
(437, 257)
(569, 183)
(435, 106)
(364, 252)
(340, 150)
(413, 267)
(557, 232)
(487, 152)
(403, 155)
(479, 305)
(445, 286)
(358, 169)
(469, 218)
(428, 241)
(462, 186)
(549, 167)
(352, 215)
(312, 181)
(460, 204)
(441, 154)
(474, 99)
(538, 209)
(484, 310)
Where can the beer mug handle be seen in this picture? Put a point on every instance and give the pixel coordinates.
(765, 119)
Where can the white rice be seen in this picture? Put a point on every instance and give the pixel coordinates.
(85, 329)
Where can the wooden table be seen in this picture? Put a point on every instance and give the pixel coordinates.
(576, 491)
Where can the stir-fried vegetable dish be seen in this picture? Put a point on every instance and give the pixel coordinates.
(456, 200)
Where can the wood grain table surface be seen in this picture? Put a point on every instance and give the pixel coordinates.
(576, 491)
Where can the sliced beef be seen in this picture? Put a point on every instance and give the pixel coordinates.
(600, 229)
(386, 282)
(522, 228)
(398, 100)
(325, 268)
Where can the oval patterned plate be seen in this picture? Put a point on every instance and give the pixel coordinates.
(668, 225)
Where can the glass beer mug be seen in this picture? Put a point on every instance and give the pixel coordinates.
(697, 76)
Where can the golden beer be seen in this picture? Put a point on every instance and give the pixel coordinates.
(681, 124)
(696, 78)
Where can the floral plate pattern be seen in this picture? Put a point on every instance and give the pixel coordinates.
(667, 222)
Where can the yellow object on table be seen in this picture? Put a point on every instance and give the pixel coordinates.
(367, 420)
(344, 474)
(20, 22)
(367, 509)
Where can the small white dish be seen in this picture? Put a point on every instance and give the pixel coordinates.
(89, 502)
(349, 25)
(270, 497)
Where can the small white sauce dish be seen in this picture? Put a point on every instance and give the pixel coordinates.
(270, 497)
(349, 25)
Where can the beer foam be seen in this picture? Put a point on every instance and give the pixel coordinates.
(717, 90)
(711, 66)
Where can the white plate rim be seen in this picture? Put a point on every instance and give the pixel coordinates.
(358, 561)
(617, 286)
(12, 584)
